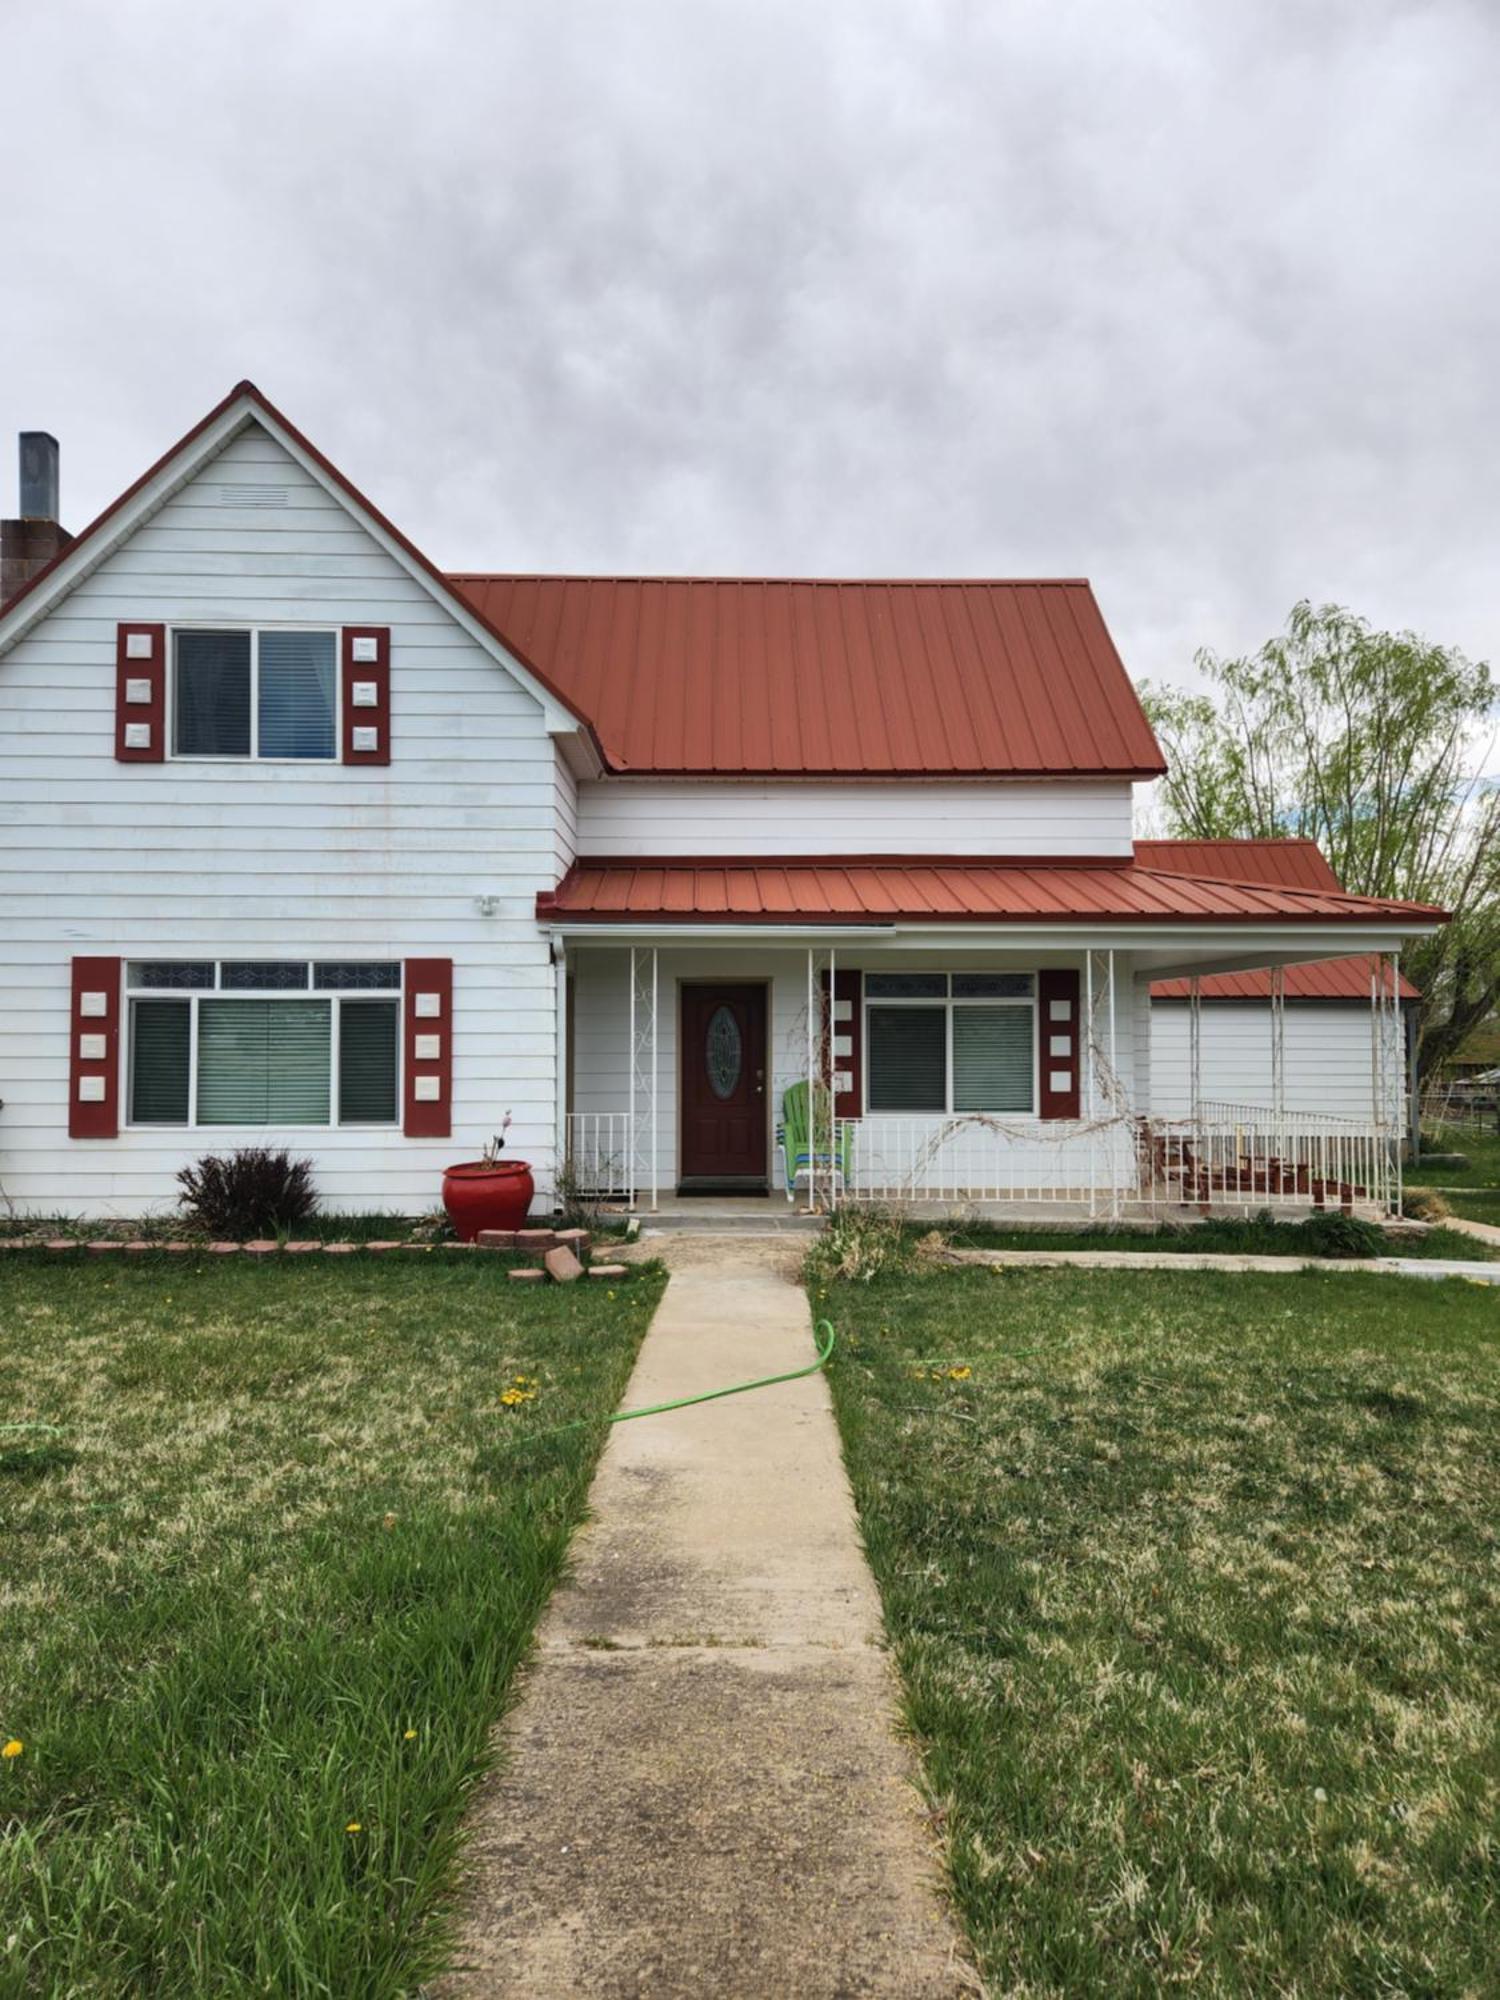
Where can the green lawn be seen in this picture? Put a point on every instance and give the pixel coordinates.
(264, 1588)
(1480, 1148)
(1477, 1205)
(1192, 1581)
(1252, 1237)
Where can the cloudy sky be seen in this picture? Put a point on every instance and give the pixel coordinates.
(1198, 298)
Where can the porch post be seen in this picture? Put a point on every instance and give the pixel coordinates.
(1116, 1107)
(655, 1078)
(630, 1079)
(560, 974)
(831, 1064)
(1195, 1049)
(812, 1085)
(1278, 1046)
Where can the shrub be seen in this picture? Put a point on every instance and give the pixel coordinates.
(1420, 1204)
(252, 1192)
(859, 1244)
(1335, 1234)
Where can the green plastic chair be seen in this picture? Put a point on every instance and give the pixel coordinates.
(797, 1154)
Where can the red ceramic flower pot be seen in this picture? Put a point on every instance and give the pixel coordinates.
(484, 1194)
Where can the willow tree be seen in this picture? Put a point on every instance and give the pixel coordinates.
(1373, 744)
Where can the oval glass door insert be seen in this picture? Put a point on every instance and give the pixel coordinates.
(724, 1053)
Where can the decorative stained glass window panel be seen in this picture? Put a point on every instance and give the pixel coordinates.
(724, 1053)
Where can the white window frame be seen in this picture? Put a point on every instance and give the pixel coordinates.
(949, 1002)
(253, 632)
(335, 995)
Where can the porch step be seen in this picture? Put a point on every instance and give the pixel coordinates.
(734, 1222)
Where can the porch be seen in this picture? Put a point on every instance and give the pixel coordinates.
(681, 1085)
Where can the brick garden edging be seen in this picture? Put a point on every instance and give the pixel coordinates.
(531, 1243)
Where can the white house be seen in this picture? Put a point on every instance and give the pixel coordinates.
(307, 840)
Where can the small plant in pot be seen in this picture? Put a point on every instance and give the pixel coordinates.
(488, 1193)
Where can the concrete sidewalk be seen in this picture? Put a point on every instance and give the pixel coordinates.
(1217, 1260)
(702, 1791)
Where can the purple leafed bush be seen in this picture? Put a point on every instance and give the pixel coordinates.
(251, 1192)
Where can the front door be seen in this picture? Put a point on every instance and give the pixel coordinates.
(723, 1088)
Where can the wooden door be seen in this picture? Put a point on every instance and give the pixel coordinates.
(723, 1070)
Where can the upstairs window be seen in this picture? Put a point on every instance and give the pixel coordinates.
(264, 1042)
(258, 693)
(938, 1042)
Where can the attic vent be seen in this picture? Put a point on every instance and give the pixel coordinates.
(252, 496)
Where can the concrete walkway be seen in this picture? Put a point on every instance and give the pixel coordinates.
(701, 1790)
(1216, 1260)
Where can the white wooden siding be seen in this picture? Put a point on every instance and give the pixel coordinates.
(624, 816)
(565, 815)
(601, 1035)
(295, 861)
(1327, 1052)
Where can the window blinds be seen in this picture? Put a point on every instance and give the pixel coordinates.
(263, 1062)
(367, 1062)
(296, 694)
(992, 1059)
(161, 1033)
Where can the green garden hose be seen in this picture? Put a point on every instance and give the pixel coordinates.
(825, 1354)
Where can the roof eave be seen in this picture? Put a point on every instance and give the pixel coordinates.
(246, 403)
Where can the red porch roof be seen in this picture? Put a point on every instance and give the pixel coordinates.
(1293, 863)
(789, 677)
(895, 888)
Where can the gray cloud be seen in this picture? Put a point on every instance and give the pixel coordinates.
(1199, 301)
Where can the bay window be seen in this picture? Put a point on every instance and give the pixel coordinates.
(942, 1042)
(264, 1042)
(254, 694)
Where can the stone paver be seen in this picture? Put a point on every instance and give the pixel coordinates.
(702, 1790)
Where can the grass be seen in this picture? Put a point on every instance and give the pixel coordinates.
(1481, 1148)
(268, 1573)
(173, 1226)
(1476, 1205)
(1253, 1237)
(1192, 1583)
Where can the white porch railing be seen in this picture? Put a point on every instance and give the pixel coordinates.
(1234, 1156)
(969, 1158)
(601, 1148)
(1248, 1156)
(1244, 1157)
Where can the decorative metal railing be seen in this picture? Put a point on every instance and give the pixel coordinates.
(600, 1153)
(1248, 1156)
(1231, 1156)
(1242, 1157)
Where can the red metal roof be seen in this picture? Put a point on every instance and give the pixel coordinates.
(1296, 864)
(884, 889)
(809, 677)
(1346, 979)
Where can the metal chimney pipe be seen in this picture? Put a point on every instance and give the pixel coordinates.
(39, 476)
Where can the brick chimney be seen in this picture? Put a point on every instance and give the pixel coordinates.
(30, 542)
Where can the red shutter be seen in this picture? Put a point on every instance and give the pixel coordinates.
(848, 1041)
(140, 694)
(428, 1106)
(94, 1050)
(367, 694)
(1059, 1030)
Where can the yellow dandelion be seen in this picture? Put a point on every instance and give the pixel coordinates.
(13, 1748)
(959, 1374)
(354, 1826)
(410, 1736)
